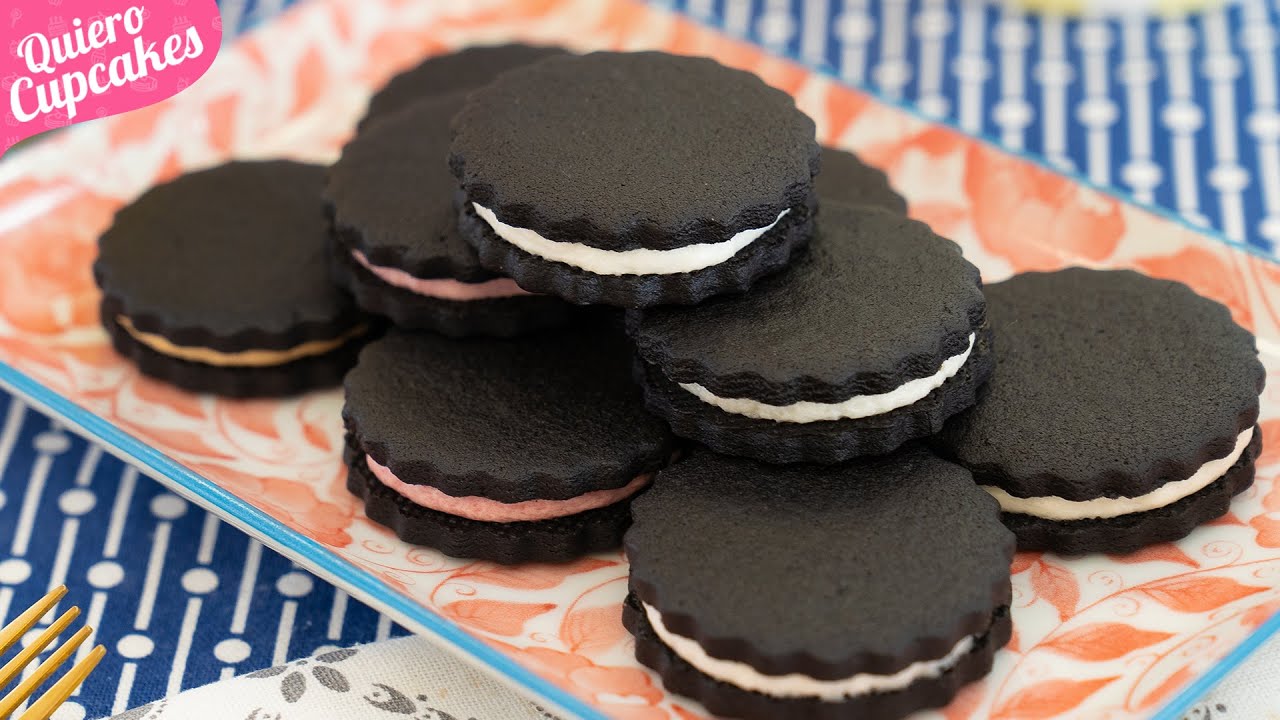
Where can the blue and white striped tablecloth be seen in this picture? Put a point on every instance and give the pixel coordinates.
(180, 598)
(1179, 112)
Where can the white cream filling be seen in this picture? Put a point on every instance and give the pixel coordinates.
(796, 685)
(641, 261)
(1053, 507)
(858, 406)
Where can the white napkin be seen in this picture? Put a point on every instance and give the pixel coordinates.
(403, 679)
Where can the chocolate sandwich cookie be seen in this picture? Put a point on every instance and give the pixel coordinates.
(218, 282)
(634, 179)
(507, 450)
(1122, 414)
(845, 178)
(460, 71)
(396, 243)
(874, 337)
(870, 589)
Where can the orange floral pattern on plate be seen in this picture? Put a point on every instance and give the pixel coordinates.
(1100, 636)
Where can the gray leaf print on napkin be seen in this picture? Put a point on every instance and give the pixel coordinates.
(294, 685)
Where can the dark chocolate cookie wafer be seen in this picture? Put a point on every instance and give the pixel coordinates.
(218, 281)
(634, 179)
(397, 248)
(549, 540)
(1123, 412)
(507, 450)
(874, 337)
(870, 589)
(461, 71)
(845, 178)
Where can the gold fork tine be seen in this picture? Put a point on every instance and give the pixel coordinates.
(23, 659)
(62, 689)
(42, 673)
(41, 709)
(27, 620)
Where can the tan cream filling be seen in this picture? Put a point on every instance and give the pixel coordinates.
(243, 358)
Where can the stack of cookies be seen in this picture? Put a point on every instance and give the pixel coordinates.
(627, 299)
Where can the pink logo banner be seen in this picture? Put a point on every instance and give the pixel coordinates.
(68, 61)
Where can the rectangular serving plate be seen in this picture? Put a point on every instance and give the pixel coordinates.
(1142, 635)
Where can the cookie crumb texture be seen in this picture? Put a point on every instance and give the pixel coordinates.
(549, 417)
(290, 378)
(765, 565)
(849, 318)
(845, 178)
(391, 197)
(231, 259)
(493, 317)
(557, 540)
(1110, 383)
(1131, 532)
(457, 72)
(730, 701)
(634, 150)
(825, 442)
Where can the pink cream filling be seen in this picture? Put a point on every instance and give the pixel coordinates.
(442, 288)
(486, 510)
